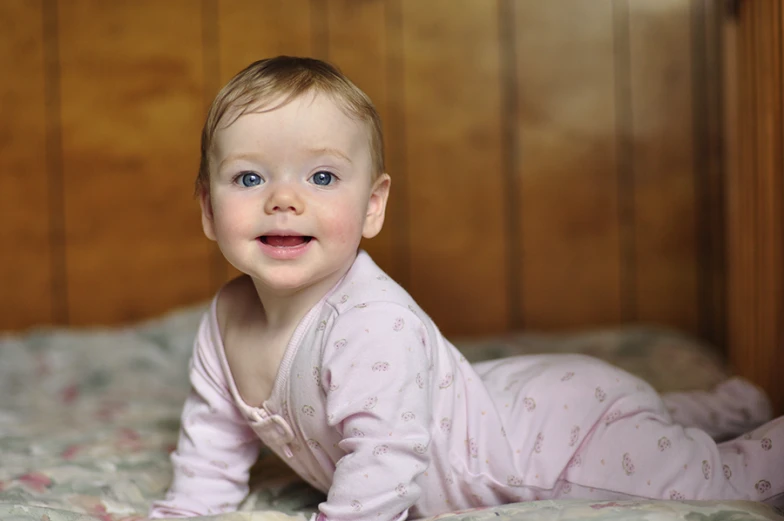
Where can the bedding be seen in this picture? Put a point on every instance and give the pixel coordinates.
(88, 418)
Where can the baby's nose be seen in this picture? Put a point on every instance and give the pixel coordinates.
(284, 199)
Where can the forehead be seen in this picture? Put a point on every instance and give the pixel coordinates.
(307, 121)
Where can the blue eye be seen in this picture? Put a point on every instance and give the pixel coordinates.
(249, 179)
(323, 178)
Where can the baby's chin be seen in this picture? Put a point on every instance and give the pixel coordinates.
(287, 281)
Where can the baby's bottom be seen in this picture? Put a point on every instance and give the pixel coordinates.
(646, 455)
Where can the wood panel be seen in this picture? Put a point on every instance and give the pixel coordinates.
(284, 28)
(568, 210)
(708, 91)
(731, 102)
(454, 162)
(364, 55)
(543, 154)
(756, 196)
(26, 273)
(662, 169)
(131, 113)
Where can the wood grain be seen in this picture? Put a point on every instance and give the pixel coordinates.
(710, 164)
(771, 198)
(26, 274)
(731, 155)
(454, 164)
(131, 113)
(280, 28)
(756, 200)
(540, 154)
(363, 54)
(569, 201)
(663, 164)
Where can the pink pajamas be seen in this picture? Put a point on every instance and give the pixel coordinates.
(375, 407)
(605, 434)
(670, 462)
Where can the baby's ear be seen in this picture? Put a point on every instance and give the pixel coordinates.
(377, 206)
(207, 220)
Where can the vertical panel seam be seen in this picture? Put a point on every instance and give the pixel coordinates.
(702, 182)
(719, 325)
(625, 164)
(751, 192)
(54, 161)
(510, 143)
(780, 200)
(745, 219)
(396, 98)
(734, 201)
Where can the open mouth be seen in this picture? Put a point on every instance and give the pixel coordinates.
(285, 241)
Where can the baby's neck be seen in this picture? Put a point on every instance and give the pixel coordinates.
(283, 312)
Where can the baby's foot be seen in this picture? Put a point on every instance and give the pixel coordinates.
(732, 408)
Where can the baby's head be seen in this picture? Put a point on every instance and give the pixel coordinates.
(292, 173)
(270, 83)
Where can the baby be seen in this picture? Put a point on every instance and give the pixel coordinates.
(317, 354)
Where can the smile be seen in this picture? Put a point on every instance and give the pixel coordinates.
(285, 241)
(285, 247)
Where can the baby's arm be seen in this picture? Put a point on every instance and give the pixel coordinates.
(216, 448)
(376, 375)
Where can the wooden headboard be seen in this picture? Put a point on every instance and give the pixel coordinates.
(755, 192)
(552, 162)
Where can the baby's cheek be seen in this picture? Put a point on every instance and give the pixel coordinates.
(236, 221)
(343, 226)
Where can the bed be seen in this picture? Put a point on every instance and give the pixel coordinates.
(88, 418)
(631, 208)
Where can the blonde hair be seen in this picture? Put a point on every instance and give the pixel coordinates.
(286, 77)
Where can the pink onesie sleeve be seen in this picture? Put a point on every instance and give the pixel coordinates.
(216, 447)
(376, 375)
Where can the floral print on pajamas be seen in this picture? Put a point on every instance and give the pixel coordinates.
(373, 406)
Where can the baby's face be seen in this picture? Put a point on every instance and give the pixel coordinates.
(292, 193)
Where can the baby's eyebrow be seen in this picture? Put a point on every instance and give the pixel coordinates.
(237, 157)
(321, 151)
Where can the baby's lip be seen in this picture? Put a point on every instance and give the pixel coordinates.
(283, 233)
(265, 238)
(280, 237)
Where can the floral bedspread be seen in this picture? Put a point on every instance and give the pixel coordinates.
(88, 418)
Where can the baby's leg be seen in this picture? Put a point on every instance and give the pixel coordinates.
(732, 408)
(642, 454)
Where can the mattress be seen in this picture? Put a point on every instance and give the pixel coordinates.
(88, 419)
